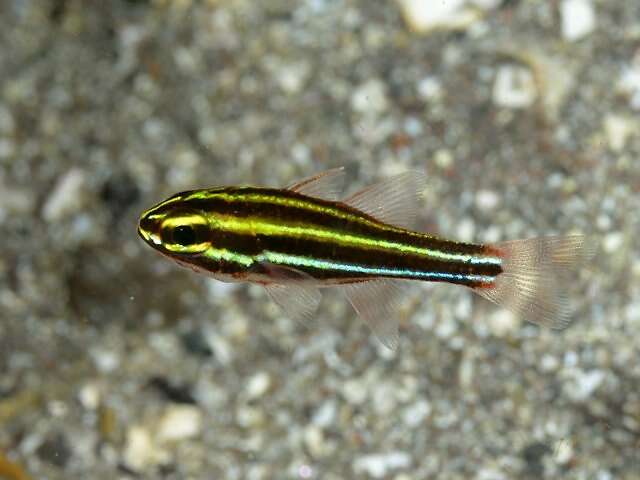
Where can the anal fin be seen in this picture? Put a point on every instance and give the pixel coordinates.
(376, 301)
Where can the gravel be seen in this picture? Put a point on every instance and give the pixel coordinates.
(118, 364)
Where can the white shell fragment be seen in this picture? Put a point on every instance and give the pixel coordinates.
(578, 19)
(180, 422)
(379, 465)
(65, 198)
(425, 17)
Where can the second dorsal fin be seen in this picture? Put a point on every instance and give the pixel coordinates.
(327, 185)
(394, 201)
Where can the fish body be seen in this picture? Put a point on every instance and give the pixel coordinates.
(298, 239)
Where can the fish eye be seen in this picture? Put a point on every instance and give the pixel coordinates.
(184, 235)
(185, 232)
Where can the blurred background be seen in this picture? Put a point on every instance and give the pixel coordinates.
(116, 363)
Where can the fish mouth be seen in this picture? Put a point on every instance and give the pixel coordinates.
(148, 232)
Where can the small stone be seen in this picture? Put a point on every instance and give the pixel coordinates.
(378, 465)
(370, 97)
(514, 87)
(314, 441)
(618, 130)
(180, 422)
(325, 415)
(105, 360)
(487, 200)
(66, 196)
(89, 396)
(490, 473)
(383, 398)
(248, 417)
(629, 84)
(585, 384)
(258, 385)
(293, 77)
(613, 241)
(425, 17)
(466, 230)
(563, 451)
(416, 413)
(502, 322)
(578, 19)
(443, 159)
(430, 88)
(354, 391)
(140, 453)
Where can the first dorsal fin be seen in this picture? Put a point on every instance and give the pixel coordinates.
(327, 185)
(394, 201)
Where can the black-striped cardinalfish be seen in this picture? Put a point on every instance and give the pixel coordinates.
(296, 240)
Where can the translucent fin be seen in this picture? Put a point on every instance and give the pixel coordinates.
(327, 185)
(535, 275)
(294, 291)
(299, 301)
(394, 201)
(376, 302)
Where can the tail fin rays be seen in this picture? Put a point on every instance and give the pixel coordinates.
(535, 274)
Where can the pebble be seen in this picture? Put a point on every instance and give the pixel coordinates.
(618, 129)
(314, 441)
(416, 413)
(66, 196)
(383, 396)
(105, 360)
(563, 451)
(612, 242)
(430, 88)
(325, 415)
(89, 396)
(180, 422)
(258, 385)
(292, 77)
(487, 200)
(140, 452)
(443, 159)
(425, 17)
(629, 84)
(466, 230)
(514, 87)
(502, 322)
(584, 384)
(370, 97)
(578, 19)
(379, 465)
(354, 391)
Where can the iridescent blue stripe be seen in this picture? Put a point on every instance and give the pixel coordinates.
(328, 265)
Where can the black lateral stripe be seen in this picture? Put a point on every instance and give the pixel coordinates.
(302, 215)
(369, 257)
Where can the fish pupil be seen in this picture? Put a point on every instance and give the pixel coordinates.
(184, 235)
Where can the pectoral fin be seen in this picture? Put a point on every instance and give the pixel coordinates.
(294, 291)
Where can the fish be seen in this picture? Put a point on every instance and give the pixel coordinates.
(297, 240)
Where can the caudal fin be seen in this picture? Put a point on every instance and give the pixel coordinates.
(536, 273)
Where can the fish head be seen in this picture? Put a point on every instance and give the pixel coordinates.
(176, 229)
